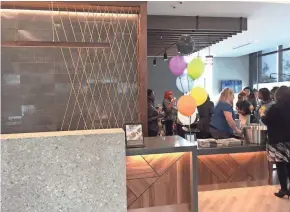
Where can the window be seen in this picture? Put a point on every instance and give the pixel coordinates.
(285, 65)
(269, 65)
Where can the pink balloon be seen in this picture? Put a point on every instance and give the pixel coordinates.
(177, 65)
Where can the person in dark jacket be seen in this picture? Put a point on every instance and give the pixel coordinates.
(205, 112)
(153, 115)
(277, 120)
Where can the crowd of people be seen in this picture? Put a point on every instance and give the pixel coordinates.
(270, 108)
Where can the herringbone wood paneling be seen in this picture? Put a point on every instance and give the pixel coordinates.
(164, 179)
(138, 186)
(137, 167)
(173, 187)
(161, 162)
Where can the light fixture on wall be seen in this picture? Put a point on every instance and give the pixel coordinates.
(154, 61)
(209, 60)
(164, 52)
(165, 56)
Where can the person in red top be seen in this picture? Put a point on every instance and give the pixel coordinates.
(169, 107)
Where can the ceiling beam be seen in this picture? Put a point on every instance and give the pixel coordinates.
(196, 23)
(191, 34)
(159, 38)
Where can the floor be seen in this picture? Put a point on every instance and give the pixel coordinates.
(255, 199)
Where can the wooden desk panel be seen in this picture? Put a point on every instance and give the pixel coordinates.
(168, 181)
(171, 186)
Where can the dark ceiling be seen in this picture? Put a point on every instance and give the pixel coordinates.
(164, 31)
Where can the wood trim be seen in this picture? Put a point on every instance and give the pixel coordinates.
(114, 7)
(52, 44)
(142, 67)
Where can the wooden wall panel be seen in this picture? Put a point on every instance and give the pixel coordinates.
(130, 197)
(161, 162)
(206, 176)
(137, 167)
(172, 185)
(255, 164)
(222, 166)
(139, 186)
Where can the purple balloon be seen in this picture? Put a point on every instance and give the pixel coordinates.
(177, 65)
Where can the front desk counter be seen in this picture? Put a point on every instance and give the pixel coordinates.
(164, 171)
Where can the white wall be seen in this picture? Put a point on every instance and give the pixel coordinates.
(161, 79)
(224, 68)
(229, 68)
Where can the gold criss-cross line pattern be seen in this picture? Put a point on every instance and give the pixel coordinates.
(103, 81)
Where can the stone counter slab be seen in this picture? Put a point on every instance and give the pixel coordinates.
(75, 172)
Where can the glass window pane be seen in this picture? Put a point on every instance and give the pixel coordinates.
(269, 65)
(285, 66)
(270, 50)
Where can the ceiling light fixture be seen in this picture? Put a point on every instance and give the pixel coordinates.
(154, 61)
(165, 56)
(209, 58)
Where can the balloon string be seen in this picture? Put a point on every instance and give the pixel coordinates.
(189, 128)
(181, 84)
(188, 84)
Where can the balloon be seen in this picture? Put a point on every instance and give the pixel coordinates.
(186, 105)
(177, 65)
(199, 94)
(184, 83)
(195, 68)
(186, 120)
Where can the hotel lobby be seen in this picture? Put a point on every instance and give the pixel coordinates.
(74, 104)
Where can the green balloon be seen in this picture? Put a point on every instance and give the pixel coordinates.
(195, 68)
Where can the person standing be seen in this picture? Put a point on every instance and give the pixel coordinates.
(248, 91)
(169, 107)
(274, 89)
(265, 104)
(223, 123)
(153, 115)
(205, 112)
(277, 120)
(244, 108)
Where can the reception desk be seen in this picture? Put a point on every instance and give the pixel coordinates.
(162, 173)
(167, 169)
(64, 171)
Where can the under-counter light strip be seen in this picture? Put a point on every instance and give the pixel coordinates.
(71, 13)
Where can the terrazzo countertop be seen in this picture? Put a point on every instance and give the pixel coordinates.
(76, 171)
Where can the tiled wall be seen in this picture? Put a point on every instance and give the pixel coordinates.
(52, 89)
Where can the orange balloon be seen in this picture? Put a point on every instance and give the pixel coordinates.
(186, 105)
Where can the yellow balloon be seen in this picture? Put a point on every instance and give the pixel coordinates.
(195, 68)
(199, 94)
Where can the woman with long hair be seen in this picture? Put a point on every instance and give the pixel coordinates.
(169, 106)
(265, 104)
(277, 120)
(223, 123)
